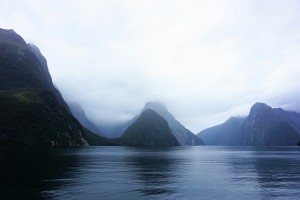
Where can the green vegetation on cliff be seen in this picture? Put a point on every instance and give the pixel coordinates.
(34, 117)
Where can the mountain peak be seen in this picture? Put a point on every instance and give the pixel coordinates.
(155, 106)
(11, 36)
(183, 135)
(265, 126)
(259, 105)
(150, 129)
(261, 109)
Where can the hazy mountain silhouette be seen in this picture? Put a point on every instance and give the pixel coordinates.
(227, 134)
(149, 129)
(264, 126)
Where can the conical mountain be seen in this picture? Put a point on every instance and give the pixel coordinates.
(182, 134)
(32, 110)
(149, 129)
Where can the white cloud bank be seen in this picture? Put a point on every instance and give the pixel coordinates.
(206, 60)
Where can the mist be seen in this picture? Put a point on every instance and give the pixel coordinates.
(205, 60)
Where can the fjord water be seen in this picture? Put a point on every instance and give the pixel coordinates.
(150, 173)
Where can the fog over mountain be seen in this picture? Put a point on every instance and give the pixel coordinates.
(33, 112)
(205, 60)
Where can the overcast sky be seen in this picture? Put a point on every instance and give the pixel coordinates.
(205, 60)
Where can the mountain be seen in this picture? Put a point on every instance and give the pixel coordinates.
(93, 134)
(79, 114)
(33, 112)
(20, 67)
(114, 130)
(291, 117)
(150, 129)
(266, 126)
(226, 134)
(183, 135)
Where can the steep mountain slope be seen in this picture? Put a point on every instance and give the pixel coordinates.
(292, 118)
(150, 129)
(183, 135)
(227, 134)
(92, 133)
(264, 127)
(32, 110)
(20, 67)
(113, 130)
(79, 114)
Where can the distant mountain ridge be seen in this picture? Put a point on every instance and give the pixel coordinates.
(115, 129)
(226, 134)
(264, 126)
(79, 114)
(291, 117)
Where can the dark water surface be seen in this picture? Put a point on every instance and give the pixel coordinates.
(139, 173)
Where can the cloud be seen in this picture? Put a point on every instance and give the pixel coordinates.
(206, 60)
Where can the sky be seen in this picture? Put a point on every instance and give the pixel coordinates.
(205, 60)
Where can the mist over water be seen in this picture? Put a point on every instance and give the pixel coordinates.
(150, 173)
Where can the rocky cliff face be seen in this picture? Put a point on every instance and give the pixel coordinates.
(150, 129)
(183, 135)
(43, 67)
(265, 127)
(32, 110)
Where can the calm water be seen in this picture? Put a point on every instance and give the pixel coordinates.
(137, 173)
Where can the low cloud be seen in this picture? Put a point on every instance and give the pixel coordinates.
(206, 60)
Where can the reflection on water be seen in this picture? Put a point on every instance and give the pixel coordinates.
(278, 171)
(139, 173)
(154, 169)
(273, 171)
(26, 172)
